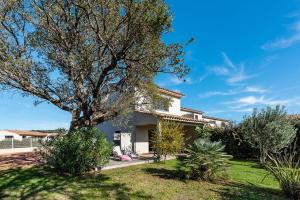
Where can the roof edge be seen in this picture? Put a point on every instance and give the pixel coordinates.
(191, 110)
(170, 92)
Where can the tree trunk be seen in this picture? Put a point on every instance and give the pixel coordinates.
(77, 124)
(263, 157)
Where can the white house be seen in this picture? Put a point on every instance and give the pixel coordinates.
(19, 135)
(135, 135)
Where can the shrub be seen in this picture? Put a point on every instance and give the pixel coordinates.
(286, 169)
(168, 139)
(235, 144)
(206, 160)
(268, 130)
(77, 152)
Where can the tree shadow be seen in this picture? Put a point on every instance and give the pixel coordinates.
(240, 191)
(165, 173)
(35, 182)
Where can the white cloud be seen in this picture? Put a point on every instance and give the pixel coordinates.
(203, 77)
(234, 73)
(285, 42)
(217, 93)
(255, 100)
(255, 89)
(240, 76)
(247, 89)
(220, 70)
(228, 61)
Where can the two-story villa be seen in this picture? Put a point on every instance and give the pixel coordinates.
(135, 135)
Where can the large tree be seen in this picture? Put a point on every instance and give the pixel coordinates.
(87, 57)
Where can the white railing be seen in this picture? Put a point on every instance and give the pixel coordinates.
(11, 143)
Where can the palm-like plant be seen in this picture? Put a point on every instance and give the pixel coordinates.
(286, 169)
(206, 161)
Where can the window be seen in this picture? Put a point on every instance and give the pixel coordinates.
(223, 124)
(196, 116)
(9, 136)
(162, 106)
(117, 138)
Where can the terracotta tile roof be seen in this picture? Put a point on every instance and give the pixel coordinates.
(174, 117)
(191, 110)
(170, 92)
(295, 117)
(216, 118)
(181, 118)
(30, 133)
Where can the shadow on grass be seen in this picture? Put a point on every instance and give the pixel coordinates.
(36, 183)
(239, 191)
(165, 173)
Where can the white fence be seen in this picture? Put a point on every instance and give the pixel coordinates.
(11, 143)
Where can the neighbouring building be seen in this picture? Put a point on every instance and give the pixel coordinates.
(19, 135)
(136, 134)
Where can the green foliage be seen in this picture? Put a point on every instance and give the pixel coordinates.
(77, 152)
(101, 52)
(268, 130)
(286, 169)
(206, 160)
(235, 144)
(204, 132)
(168, 138)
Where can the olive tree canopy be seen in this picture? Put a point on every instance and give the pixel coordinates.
(268, 130)
(87, 57)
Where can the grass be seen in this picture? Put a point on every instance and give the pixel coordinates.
(149, 181)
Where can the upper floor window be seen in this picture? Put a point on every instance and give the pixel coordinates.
(161, 106)
(223, 124)
(196, 116)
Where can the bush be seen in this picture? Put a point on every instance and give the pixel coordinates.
(286, 169)
(235, 144)
(168, 140)
(206, 160)
(78, 152)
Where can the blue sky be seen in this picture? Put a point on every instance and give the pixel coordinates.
(246, 54)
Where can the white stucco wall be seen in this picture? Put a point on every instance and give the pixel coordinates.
(126, 142)
(7, 133)
(141, 139)
(175, 105)
(135, 132)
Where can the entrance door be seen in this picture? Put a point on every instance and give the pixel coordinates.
(151, 133)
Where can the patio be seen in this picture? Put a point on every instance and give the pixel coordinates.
(144, 158)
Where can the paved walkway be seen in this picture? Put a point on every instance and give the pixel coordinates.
(30, 159)
(118, 164)
(144, 159)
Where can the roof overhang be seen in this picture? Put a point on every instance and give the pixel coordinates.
(170, 92)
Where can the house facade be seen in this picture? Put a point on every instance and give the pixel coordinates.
(20, 135)
(136, 134)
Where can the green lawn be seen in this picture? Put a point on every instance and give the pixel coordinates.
(149, 181)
